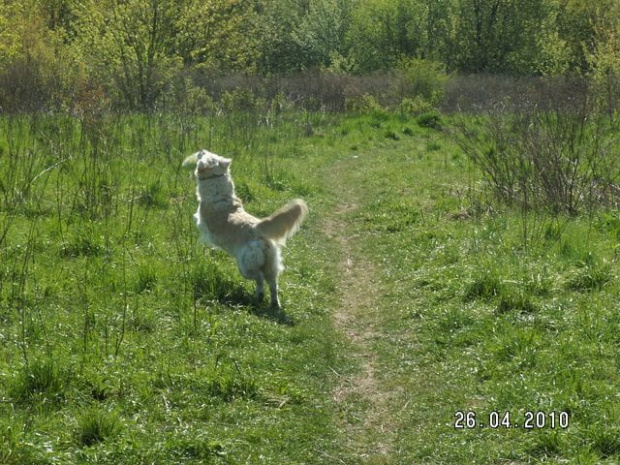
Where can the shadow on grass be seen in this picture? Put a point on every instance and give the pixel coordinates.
(264, 310)
(232, 294)
(241, 298)
(210, 282)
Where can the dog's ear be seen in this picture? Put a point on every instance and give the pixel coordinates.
(225, 162)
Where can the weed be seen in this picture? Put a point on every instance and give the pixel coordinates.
(96, 425)
(153, 196)
(511, 301)
(486, 286)
(244, 192)
(41, 380)
(209, 280)
(198, 448)
(433, 146)
(143, 323)
(546, 446)
(590, 277)
(146, 280)
(605, 441)
(99, 389)
(230, 387)
(81, 247)
(391, 134)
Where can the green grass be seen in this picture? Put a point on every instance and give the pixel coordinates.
(122, 340)
(480, 317)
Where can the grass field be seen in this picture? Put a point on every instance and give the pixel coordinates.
(407, 300)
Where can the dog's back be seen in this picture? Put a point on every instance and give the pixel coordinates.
(228, 230)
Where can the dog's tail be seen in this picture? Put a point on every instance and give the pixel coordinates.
(283, 223)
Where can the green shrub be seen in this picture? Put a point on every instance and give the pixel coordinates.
(229, 387)
(511, 301)
(414, 105)
(422, 79)
(430, 119)
(364, 104)
(558, 158)
(391, 134)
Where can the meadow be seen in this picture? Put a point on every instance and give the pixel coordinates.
(123, 340)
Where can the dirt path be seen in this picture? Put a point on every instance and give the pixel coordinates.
(368, 433)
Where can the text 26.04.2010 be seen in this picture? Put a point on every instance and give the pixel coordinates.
(495, 420)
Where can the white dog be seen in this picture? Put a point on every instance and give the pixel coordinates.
(224, 224)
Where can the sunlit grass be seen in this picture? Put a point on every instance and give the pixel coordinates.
(123, 340)
(490, 311)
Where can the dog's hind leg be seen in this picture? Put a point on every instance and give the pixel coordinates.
(260, 288)
(273, 290)
(271, 270)
(250, 260)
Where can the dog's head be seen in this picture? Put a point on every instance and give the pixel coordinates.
(210, 165)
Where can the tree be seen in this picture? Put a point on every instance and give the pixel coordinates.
(321, 32)
(128, 46)
(218, 34)
(604, 57)
(500, 35)
(279, 51)
(436, 28)
(384, 32)
(37, 70)
(9, 37)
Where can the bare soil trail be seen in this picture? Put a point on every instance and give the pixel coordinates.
(367, 426)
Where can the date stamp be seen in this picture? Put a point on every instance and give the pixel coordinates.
(469, 420)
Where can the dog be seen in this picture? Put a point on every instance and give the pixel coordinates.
(224, 224)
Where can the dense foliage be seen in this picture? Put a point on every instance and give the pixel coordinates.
(143, 54)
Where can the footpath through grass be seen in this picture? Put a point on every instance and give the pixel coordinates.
(411, 308)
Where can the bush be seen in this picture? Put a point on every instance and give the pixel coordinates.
(414, 106)
(240, 100)
(430, 119)
(422, 79)
(590, 277)
(364, 104)
(486, 286)
(556, 156)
